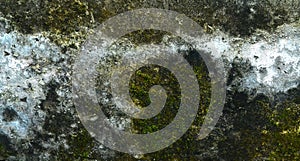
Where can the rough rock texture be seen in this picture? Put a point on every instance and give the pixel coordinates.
(270, 61)
(259, 42)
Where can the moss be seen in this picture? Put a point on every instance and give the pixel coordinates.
(5, 147)
(141, 83)
(276, 139)
(141, 37)
(3, 152)
(80, 147)
(78, 140)
(68, 21)
(144, 78)
(245, 118)
(79, 143)
(26, 16)
(283, 142)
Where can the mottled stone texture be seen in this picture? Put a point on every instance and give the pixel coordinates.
(259, 42)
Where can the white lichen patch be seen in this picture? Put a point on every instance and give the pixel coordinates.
(27, 65)
(276, 65)
(274, 58)
(267, 63)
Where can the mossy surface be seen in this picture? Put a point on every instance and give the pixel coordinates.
(187, 146)
(144, 78)
(141, 83)
(263, 130)
(3, 152)
(149, 36)
(68, 21)
(283, 141)
(260, 129)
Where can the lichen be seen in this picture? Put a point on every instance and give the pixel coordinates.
(256, 128)
(80, 147)
(141, 37)
(68, 22)
(276, 137)
(283, 142)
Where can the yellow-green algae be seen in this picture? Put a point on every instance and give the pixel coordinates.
(68, 21)
(278, 139)
(154, 75)
(140, 84)
(283, 142)
(3, 152)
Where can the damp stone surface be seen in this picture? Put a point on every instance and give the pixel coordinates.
(258, 41)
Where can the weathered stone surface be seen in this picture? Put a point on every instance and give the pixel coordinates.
(259, 42)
